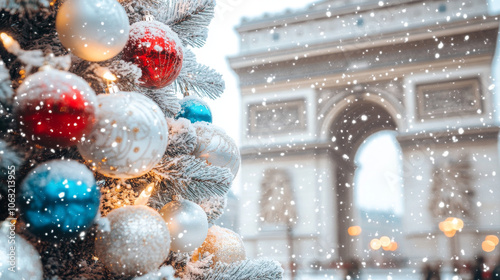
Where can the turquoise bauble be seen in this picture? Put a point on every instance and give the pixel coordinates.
(195, 110)
(59, 199)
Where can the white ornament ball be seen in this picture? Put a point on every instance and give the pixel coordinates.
(216, 147)
(133, 241)
(24, 259)
(129, 138)
(94, 30)
(187, 223)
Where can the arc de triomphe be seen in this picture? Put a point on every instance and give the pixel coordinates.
(316, 83)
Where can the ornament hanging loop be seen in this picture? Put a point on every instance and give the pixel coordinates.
(148, 17)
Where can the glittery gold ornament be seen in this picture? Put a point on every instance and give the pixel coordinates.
(216, 147)
(224, 244)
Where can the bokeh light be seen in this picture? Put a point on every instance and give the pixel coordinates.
(488, 246)
(493, 239)
(450, 233)
(375, 244)
(354, 230)
(385, 241)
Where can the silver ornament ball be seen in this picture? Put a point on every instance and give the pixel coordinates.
(187, 223)
(24, 259)
(216, 147)
(129, 138)
(134, 240)
(94, 30)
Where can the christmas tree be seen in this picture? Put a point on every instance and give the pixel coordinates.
(111, 167)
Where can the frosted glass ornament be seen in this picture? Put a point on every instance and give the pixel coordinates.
(216, 147)
(187, 223)
(94, 30)
(27, 260)
(129, 138)
(132, 240)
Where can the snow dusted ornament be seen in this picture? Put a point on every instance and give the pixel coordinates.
(195, 110)
(216, 147)
(55, 108)
(24, 259)
(59, 198)
(94, 30)
(129, 138)
(132, 240)
(187, 223)
(156, 50)
(224, 244)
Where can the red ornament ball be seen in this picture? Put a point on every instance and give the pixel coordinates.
(55, 108)
(157, 50)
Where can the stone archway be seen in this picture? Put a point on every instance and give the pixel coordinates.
(354, 122)
(430, 83)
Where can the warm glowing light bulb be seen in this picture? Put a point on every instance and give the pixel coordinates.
(145, 195)
(109, 76)
(7, 40)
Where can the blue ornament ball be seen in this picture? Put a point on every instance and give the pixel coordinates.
(195, 110)
(59, 199)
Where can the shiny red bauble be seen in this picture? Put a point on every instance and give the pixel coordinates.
(157, 50)
(55, 108)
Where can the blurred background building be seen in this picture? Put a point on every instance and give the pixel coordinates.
(317, 83)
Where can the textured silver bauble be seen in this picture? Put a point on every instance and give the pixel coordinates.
(24, 259)
(187, 223)
(136, 240)
(129, 138)
(216, 147)
(94, 30)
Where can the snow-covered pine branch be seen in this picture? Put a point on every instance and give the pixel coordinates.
(262, 269)
(6, 96)
(182, 137)
(190, 177)
(6, 92)
(136, 10)
(164, 273)
(214, 207)
(23, 6)
(198, 79)
(190, 19)
(167, 101)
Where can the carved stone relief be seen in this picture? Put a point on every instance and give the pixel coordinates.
(454, 98)
(277, 202)
(452, 186)
(277, 118)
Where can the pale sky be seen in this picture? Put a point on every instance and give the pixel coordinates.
(223, 41)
